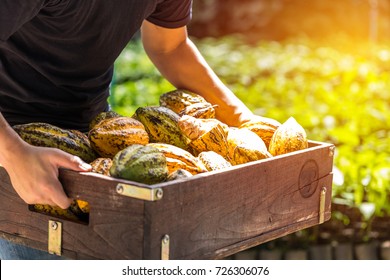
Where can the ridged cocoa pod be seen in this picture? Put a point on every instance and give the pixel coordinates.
(112, 135)
(264, 127)
(179, 174)
(73, 212)
(103, 116)
(161, 124)
(205, 134)
(202, 110)
(80, 206)
(177, 100)
(245, 146)
(102, 166)
(178, 158)
(289, 137)
(213, 161)
(47, 135)
(143, 164)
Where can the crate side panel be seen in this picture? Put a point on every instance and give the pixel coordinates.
(276, 232)
(215, 211)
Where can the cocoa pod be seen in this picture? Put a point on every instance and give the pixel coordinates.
(143, 164)
(289, 137)
(213, 161)
(245, 146)
(103, 116)
(112, 135)
(264, 127)
(179, 174)
(205, 134)
(177, 100)
(178, 158)
(161, 125)
(202, 110)
(102, 166)
(47, 135)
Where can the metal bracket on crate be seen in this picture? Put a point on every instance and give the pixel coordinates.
(148, 194)
(54, 237)
(165, 247)
(321, 213)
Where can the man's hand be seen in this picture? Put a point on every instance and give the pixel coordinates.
(34, 174)
(34, 170)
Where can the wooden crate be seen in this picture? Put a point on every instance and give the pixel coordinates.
(209, 216)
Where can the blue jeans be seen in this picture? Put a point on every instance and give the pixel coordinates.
(13, 251)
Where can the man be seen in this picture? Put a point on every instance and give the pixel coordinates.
(56, 64)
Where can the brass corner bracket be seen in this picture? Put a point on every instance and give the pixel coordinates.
(148, 194)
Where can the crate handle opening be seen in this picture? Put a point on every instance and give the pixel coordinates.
(77, 212)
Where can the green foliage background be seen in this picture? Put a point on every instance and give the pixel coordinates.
(339, 96)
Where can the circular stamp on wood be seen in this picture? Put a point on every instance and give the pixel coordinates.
(308, 178)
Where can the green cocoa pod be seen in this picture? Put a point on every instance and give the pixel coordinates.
(161, 125)
(47, 135)
(143, 164)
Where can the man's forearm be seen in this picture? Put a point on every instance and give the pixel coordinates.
(8, 138)
(185, 68)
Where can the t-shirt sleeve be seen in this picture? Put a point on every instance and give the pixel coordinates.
(15, 13)
(172, 13)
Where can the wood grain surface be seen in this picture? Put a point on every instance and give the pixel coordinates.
(210, 215)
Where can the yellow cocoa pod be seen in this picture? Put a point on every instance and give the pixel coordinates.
(203, 110)
(178, 158)
(102, 166)
(177, 100)
(289, 137)
(103, 116)
(245, 146)
(73, 212)
(47, 135)
(213, 161)
(82, 205)
(205, 134)
(55, 211)
(112, 135)
(263, 127)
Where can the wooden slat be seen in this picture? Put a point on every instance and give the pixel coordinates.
(224, 208)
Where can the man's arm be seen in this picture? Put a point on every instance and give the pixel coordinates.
(34, 170)
(180, 62)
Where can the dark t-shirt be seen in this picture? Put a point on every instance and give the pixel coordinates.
(56, 56)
